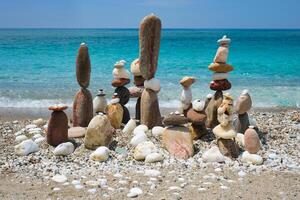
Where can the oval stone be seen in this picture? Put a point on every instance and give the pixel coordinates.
(57, 132)
(251, 140)
(82, 108)
(83, 66)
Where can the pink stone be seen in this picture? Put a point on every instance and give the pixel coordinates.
(252, 142)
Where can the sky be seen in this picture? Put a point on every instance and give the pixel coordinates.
(128, 13)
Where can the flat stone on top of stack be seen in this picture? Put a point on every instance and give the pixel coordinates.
(149, 39)
(83, 102)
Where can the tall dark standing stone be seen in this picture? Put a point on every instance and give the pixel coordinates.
(150, 29)
(57, 131)
(83, 102)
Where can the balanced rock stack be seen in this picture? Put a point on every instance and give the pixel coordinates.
(149, 37)
(242, 106)
(186, 94)
(57, 131)
(115, 111)
(136, 91)
(83, 102)
(225, 132)
(99, 102)
(122, 78)
(176, 137)
(197, 117)
(220, 82)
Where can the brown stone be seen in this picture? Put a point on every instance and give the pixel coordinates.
(196, 117)
(138, 80)
(187, 81)
(82, 108)
(57, 131)
(228, 147)
(58, 107)
(115, 114)
(83, 66)
(197, 131)
(220, 67)
(119, 82)
(251, 140)
(76, 132)
(242, 123)
(178, 141)
(149, 38)
(138, 109)
(175, 119)
(243, 103)
(150, 113)
(211, 110)
(218, 85)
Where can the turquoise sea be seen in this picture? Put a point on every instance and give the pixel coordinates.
(37, 66)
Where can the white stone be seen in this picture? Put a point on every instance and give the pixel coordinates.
(92, 191)
(186, 97)
(221, 55)
(103, 182)
(152, 172)
(92, 183)
(176, 188)
(30, 126)
(240, 139)
(219, 76)
(56, 189)
(21, 138)
(157, 131)
(198, 105)
(201, 189)
(213, 155)
(224, 39)
(99, 104)
(251, 158)
(59, 178)
(114, 101)
(134, 192)
(78, 187)
(119, 70)
(241, 173)
(141, 127)
(153, 84)
(64, 149)
(118, 175)
(143, 149)
(154, 157)
(100, 154)
(26, 147)
(38, 122)
(75, 182)
(139, 138)
(129, 127)
(223, 187)
(40, 140)
(36, 136)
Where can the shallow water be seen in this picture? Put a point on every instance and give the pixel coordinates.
(37, 66)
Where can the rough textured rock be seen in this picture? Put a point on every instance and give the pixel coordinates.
(26, 147)
(150, 113)
(82, 108)
(149, 37)
(99, 132)
(123, 94)
(228, 147)
(83, 66)
(57, 131)
(115, 114)
(211, 109)
(178, 141)
(251, 140)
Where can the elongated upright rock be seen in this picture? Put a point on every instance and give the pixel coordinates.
(83, 102)
(150, 29)
(57, 131)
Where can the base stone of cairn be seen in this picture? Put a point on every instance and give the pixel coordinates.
(83, 102)
(136, 91)
(82, 108)
(149, 39)
(220, 82)
(197, 117)
(225, 132)
(114, 111)
(122, 77)
(242, 106)
(99, 132)
(57, 131)
(186, 94)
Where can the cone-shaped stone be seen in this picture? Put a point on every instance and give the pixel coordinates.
(150, 29)
(99, 132)
(150, 113)
(57, 132)
(211, 110)
(83, 66)
(82, 108)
